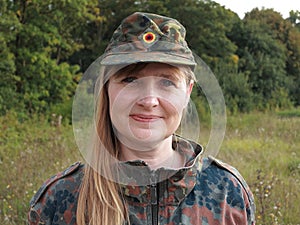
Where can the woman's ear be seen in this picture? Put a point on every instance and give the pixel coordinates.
(190, 87)
(188, 92)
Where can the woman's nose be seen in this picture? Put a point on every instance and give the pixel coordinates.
(148, 93)
(148, 101)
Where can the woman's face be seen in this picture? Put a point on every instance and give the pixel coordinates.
(146, 105)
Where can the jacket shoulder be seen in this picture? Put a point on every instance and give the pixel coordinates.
(232, 170)
(56, 200)
(69, 174)
(238, 177)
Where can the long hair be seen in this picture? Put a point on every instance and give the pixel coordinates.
(100, 199)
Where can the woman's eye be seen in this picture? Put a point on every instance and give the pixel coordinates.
(167, 83)
(129, 79)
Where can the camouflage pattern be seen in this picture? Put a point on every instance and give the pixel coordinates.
(55, 202)
(146, 37)
(204, 192)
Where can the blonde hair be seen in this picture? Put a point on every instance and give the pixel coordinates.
(100, 199)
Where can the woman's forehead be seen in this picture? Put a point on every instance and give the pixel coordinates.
(151, 69)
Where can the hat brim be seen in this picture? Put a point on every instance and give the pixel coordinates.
(138, 57)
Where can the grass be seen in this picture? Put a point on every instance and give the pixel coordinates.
(290, 113)
(263, 147)
(29, 153)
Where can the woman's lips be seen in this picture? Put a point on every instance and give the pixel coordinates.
(145, 118)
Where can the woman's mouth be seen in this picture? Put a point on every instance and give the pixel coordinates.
(145, 118)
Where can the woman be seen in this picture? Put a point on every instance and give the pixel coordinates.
(138, 170)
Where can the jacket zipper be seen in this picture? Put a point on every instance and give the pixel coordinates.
(154, 199)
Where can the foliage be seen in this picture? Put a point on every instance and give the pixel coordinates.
(47, 36)
(289, 113)
(207, 38)
(236, 88)
(47, 45)
(263, 58)
(8, 27)
(287, 33)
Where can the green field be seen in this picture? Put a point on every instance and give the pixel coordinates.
(265, 148)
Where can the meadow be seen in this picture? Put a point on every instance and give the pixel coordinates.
(264, 147)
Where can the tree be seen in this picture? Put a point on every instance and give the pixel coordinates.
(92, 34)
(207, 24)
(286, 32)
(263, 56)
(48, 35)
(294, 18)
(293, 48)
(235, 85)
(208, 27)
(9, 26)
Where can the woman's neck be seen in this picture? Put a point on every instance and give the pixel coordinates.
(161, 155)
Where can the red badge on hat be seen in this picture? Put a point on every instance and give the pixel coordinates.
(149, 37)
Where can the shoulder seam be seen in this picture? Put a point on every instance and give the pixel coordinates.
(228, 168)
(53, 179)
(241, 180)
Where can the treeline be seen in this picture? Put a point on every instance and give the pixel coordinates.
(46, 45)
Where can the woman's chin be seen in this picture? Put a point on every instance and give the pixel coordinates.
(143, 139)
(149, 135)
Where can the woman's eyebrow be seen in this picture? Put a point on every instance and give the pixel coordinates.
(122, 75)
(170, 76)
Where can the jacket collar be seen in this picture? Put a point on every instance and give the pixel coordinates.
(138, 180)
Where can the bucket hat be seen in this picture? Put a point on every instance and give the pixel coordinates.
(146, 37)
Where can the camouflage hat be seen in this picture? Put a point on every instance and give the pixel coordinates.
(145, 37)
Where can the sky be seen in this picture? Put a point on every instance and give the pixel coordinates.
(242, 6)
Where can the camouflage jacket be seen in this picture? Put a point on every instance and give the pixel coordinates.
(204, 192)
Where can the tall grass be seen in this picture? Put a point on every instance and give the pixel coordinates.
(263, 147)
(266, 150)
(29, 153)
